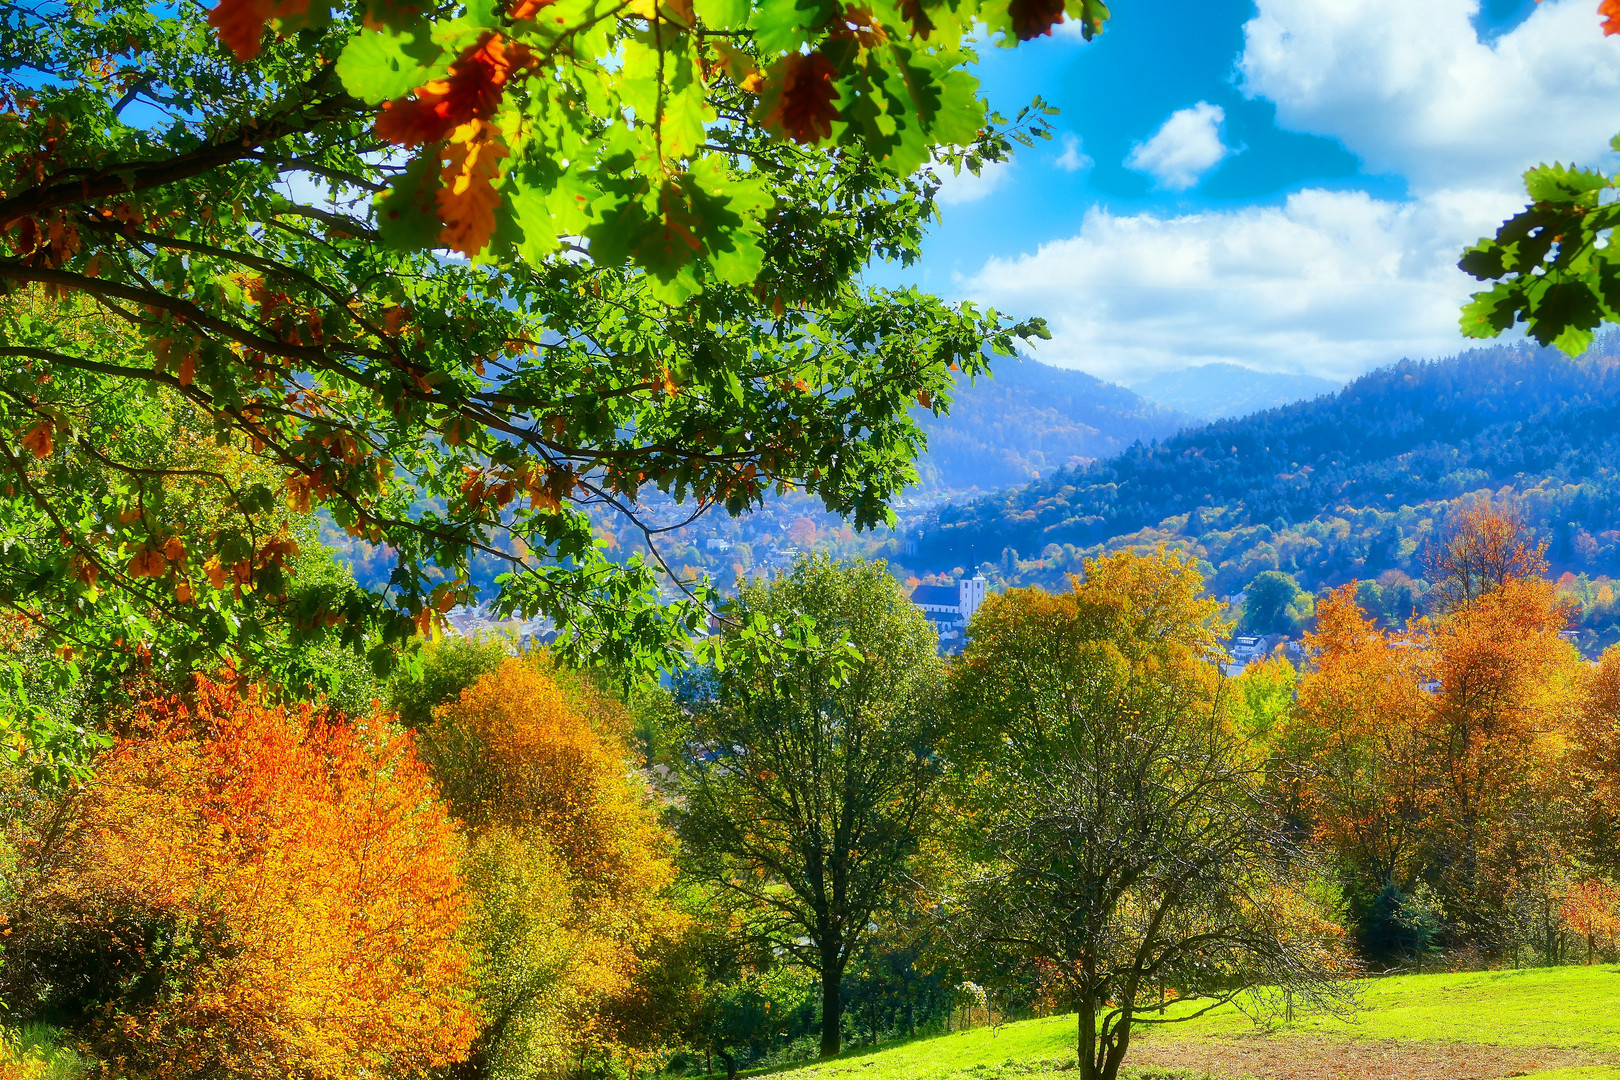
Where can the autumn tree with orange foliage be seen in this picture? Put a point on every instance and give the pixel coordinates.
(567, 863)
(246, 890)
(1360, 725)
(1594, 763)
(1483, 550)
(1592, 910)
(1434, 754)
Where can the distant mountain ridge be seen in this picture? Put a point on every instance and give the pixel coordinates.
(1342, 486)
(1222, 391)
(1031, 419)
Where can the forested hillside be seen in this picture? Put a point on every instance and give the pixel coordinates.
(1031, 419)
(1344, 486)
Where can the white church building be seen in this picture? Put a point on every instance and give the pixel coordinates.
(950, 607)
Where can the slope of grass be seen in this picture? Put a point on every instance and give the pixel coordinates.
(1570, 1008)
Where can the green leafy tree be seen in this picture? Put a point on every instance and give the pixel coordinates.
(1271, 603)
(809, 776)
(1112, 822)
(454, 277)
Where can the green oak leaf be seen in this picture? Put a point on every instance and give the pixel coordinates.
(407, 216)
(380, 65)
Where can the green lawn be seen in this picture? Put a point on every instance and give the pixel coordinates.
(1574, 1008)
(1569, 1006)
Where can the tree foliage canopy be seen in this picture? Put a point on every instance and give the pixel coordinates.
(809, 775)
(240, 275)
(246, 890)
(1112, 821)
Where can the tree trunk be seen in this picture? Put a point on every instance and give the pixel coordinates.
(1121, 1041)
(1086, 1044)
(832, 1006)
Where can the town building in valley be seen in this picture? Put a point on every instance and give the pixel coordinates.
(950, 607)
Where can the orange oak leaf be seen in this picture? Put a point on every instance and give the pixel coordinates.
(526, 9)
(148, 562)
(240, 23)
(1034, 18)
(470, 91)
(796, 101)
(215, 571)
(1610, 10)
(41, 439)
(468, 199)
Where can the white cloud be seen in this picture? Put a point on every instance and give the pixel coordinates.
(964, 187)
(1184, 149)
(1329, 282)
(1409, 87)
(1073, 159)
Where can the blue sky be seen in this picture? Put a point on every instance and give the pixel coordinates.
(1284, 184)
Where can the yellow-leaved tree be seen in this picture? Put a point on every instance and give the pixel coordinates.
(567, 862)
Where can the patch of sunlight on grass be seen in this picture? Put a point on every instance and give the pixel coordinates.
(1570, 1006)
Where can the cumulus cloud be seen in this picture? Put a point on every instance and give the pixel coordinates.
(1186, 147)
(1330, 282)
(963, 187)
(1412, 90)
(1073, 159)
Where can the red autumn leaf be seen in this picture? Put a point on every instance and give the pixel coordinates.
(41, 439)
(240, 23)
(470, 91)
(797, 99)
(1033, 18)
(1610, 10)
(468, 199)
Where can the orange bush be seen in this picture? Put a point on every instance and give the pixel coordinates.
(259, 893)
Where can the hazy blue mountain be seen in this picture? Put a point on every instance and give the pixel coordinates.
(1218, 391)
(1032, 419)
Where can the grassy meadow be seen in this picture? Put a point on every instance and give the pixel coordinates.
(1476, 1024)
